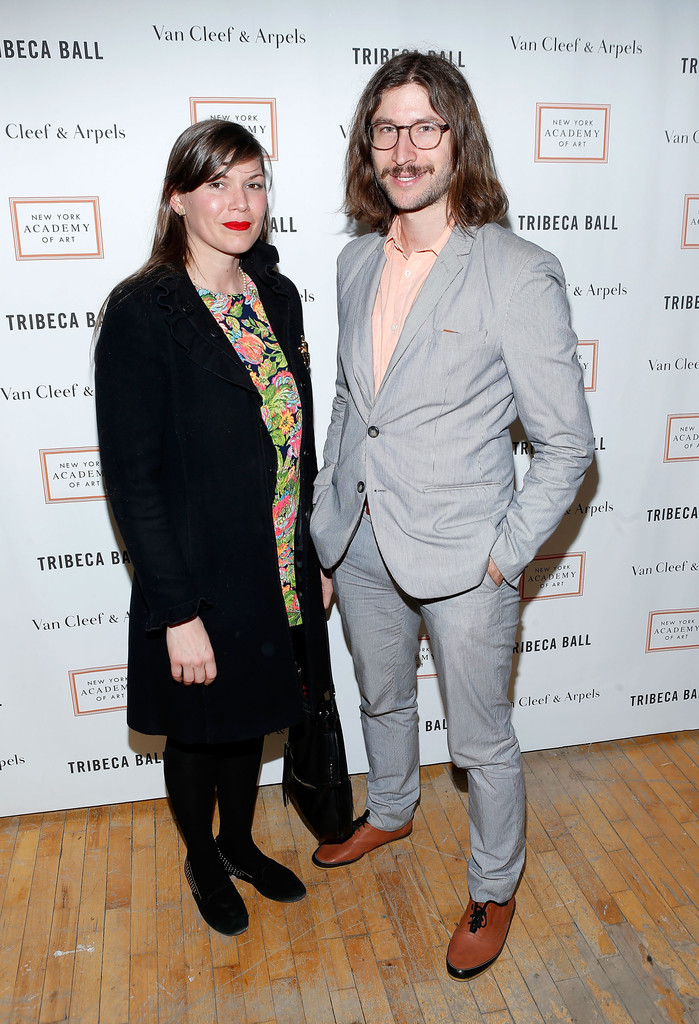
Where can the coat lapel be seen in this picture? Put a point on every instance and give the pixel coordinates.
(450, 263)
(359, 304)
(193, 327)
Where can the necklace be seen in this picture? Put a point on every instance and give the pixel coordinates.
(217, 291)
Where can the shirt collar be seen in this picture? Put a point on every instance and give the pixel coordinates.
(394, 240)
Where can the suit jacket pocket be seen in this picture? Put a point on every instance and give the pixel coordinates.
(453, 506)
(459, 487)
(451, 332)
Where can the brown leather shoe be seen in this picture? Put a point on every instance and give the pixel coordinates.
(479, 937)
(363, 839)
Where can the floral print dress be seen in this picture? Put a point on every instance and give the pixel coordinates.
(243, 320)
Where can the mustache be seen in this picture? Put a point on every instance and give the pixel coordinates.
(411, 170)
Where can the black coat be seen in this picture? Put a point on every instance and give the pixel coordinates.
(190, 471)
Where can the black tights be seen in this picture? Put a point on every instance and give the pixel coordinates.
(194, 774)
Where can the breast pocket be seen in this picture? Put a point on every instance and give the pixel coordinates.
(456, 348)
(447, 333)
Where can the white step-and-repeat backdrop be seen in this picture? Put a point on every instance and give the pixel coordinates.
(593, 113)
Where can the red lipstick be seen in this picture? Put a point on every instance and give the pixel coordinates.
(237, 225)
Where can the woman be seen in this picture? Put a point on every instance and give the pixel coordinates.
(205, 427)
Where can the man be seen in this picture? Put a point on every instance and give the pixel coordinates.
(450, 328)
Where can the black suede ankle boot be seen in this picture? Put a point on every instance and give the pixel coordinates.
(222, 907)
(271, 879)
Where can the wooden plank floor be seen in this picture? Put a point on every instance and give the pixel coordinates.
(98, 926)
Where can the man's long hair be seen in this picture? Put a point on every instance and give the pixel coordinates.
(475, 195)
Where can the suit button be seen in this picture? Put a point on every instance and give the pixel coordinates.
(360, 487)
(373, 431)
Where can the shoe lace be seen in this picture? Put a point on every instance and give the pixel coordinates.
(360, 822)
(479, 917)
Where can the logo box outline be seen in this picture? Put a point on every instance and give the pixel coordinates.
(666, 454)
(43, 452)
(540, 107)
(15, 202)
(72, 676)
(594, 343)
(668, 611)
(425, 675)
(266, 101)
(685, 222)
(551, 558)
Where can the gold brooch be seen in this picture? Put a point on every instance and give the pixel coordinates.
(303, 349)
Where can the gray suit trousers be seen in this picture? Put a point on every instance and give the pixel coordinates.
(472, 636)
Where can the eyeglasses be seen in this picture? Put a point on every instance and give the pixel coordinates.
(422, 134)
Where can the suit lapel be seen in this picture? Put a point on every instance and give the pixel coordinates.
(361, 296)
(450, 263)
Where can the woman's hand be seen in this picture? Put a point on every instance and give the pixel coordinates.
(191, 655)
(326, 583)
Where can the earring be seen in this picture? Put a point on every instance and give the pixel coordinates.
(181, 211)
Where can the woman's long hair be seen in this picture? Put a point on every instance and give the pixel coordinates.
(202, 153)
(475, 195)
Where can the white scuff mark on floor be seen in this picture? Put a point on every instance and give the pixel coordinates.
(79, 949)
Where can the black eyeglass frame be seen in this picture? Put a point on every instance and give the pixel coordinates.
(404, 127)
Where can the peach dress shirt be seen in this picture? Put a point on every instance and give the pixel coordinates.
(401, 280)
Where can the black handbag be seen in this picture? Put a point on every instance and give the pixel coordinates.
(315, 777)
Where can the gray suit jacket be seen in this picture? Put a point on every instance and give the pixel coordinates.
(487, 339)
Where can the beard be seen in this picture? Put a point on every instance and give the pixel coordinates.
(432, 190)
